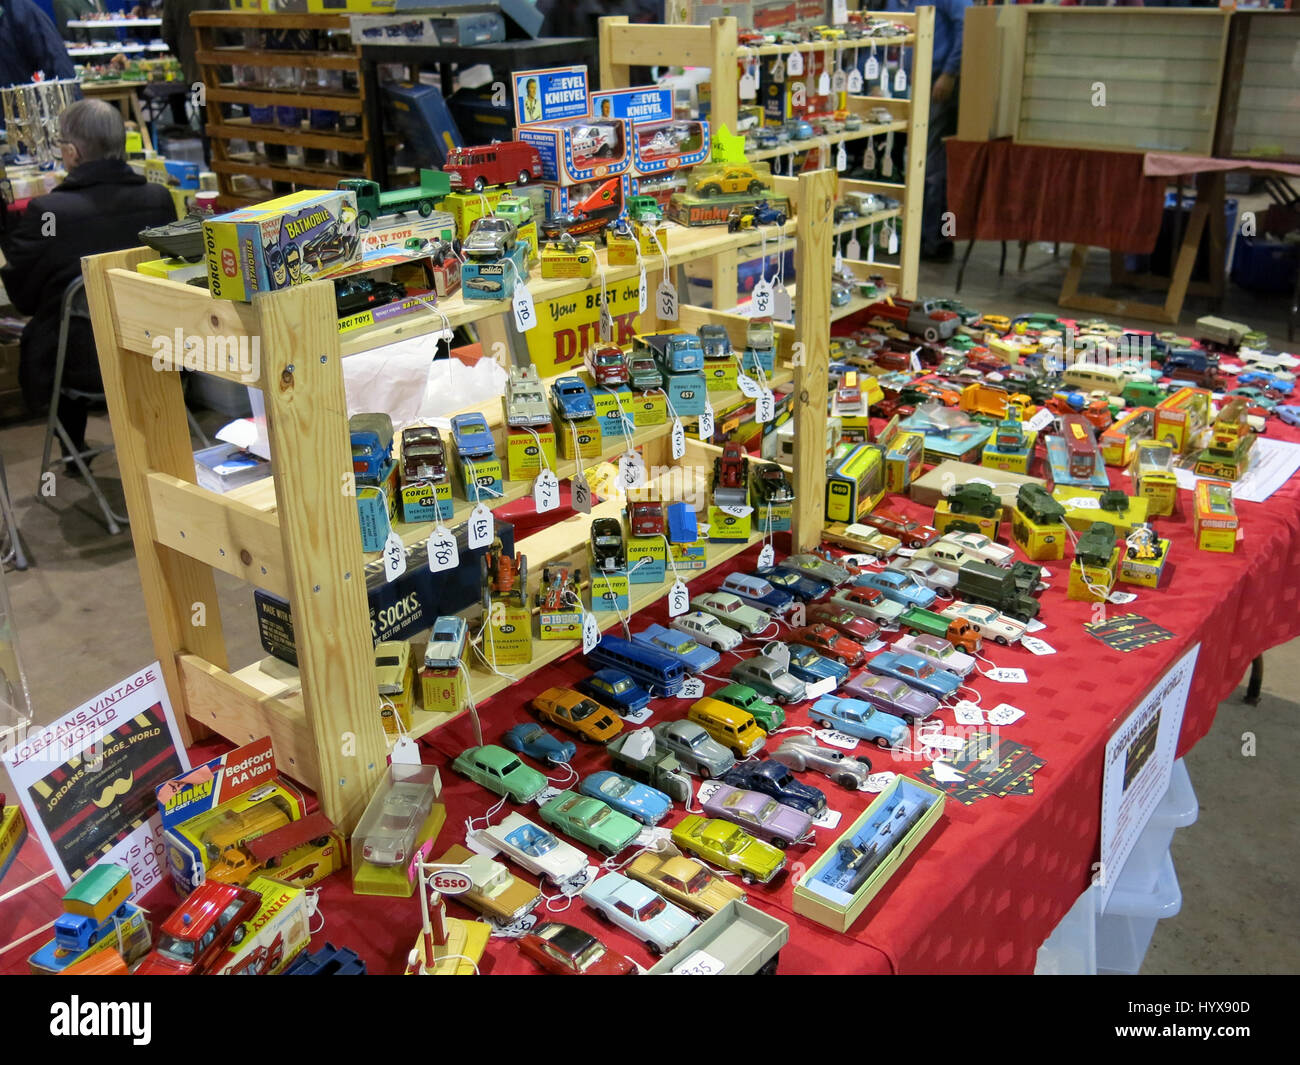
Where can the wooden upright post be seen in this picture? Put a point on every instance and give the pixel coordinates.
(612, 75)
(811, 352)
(311, 461)
(918, 134)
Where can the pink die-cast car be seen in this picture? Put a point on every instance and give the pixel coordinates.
(759, 815)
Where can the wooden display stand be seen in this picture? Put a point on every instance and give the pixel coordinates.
(216, 60)
(296, 533)
(624, 45)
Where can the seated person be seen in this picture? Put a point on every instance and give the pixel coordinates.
(101, 206)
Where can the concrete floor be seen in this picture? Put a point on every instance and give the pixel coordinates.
(80, 618)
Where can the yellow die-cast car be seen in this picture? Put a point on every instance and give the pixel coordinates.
(685, 881)
(726, 179)
(995, 323)
(729, 847)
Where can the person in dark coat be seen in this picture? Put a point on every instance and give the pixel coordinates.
(101, 206)
(28, 43)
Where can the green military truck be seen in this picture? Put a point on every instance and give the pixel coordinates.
(979, 582)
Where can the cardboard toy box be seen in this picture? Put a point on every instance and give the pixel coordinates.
(649, 408)
(688, 210)
(1144, 573)
(553, 113)
(220, 805)
(595, 202)
(392, 231)
(278, 933)
(579, 439)
(480, 479)
(1092, 584)
(494, 280)
(13, 831)
(647, 560)
(426, 501)
(837, 909)
(508, 635)
(930, 487)
(466, 208)
(1215, 517)
(1042, 543)
(279, 243)
(730, 524)
(1081, 510)
(659, 142)
(529, 451)
(1118, 442)
(609, 592)
(443, 691)
(614, 409)
(1016, 460)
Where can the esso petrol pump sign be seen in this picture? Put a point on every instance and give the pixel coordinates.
(450, 882)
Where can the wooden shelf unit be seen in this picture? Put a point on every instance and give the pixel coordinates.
(624, 45)
(297, 534)
(216, 60)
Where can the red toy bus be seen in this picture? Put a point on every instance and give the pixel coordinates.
(501, 163)
(1084, 457)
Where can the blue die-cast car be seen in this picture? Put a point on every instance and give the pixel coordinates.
(615, 689)
(531, 739)
(679, 645)
(646, 804)
(854, 717)
(810, 667)
(917, 671)
(573, 399)
(796, 584)
(472, 437)
(898, 586)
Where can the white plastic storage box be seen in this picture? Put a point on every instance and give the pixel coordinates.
(1176, 810)
(1071, 949)
(1125, 929)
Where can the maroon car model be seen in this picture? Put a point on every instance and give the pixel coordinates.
(568, 951)
(827, 641)
(912, 533)
(854, 626)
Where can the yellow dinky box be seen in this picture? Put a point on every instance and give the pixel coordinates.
(508, 634)
(855, 484)
(944, 518)
(904, 458)
(1092, 584)
(855, 428)
(621, 251)
(651, 238)
(527, 234)
(1081, 510)
(525, 449)
(649, 408)
(1144, 573)
(690, 556)
(720, 375)
(726, 525)
(1042, 543)
(562, 264)
(579, 439)
(1118, 442)
(469, 207)
(443, 691)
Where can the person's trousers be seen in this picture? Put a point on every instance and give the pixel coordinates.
(943, 123)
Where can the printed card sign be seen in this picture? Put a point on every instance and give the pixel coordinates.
(86, 781)
(636, 105)
(550, 95)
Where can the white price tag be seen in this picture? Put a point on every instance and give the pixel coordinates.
(678, 439)
(443, 553)
(915, 360)
(839, 258)
(606, 323)
(692, 688)
(1040, 421)
(765, 407)
(871, 68)
(893, 240)
(699, 963)
(839, 81)
(481, 527)
(638, 717)
(940, 741)
(900, 80)
(574, 885)
(828, 818)
(884, 80)
(631, 469)
(546, 795)
(581, 493)
(394, 557)
(778, 70)
(1005, 714)
(1036, 646)
(944, 773)
(782, 306)
(794, 65)
(1035, 626)
(590, 633)
(761, 299)
(1120, 598)
(405, 752)
(766, 557)
(706, 422)
(839, 12)
(515, 929)
(737, 512)
(546, 491)
(854, 81)
(666, 301)
(643, 290)
(967, 713)
(748, 87)
(869, 156)
(679, 599)
(838, 739)
(747, 385)
(1085, 503)
(706, 790)
(841, 158)
(1007, 676)
(525, 314)
(879, 781)
(823, 84)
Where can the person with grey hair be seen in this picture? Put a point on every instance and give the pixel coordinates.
(100, 206)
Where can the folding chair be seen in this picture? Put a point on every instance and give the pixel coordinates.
(74, 306)
(14, 552)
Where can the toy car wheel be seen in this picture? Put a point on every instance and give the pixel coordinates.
(425, 208)
(238, 937)
(1002, 640)
(847, 780)
(363, 219)
(748, 878)
(479, 184)
(523, 177)
(779, 843)
(606, 851)
(882, 743)
(755, 187)
(653, 947)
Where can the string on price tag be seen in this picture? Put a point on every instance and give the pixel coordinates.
(679, 599)
(766, 557)
(442, 550)
(481, 527)
(394, 556)
(590, 633)
(762, 298)
(643, 290)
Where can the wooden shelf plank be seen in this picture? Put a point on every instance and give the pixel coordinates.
(314, 177)
(795, 147)
(299, 59)
(261, 20)
(235, 94)
(242, 129)
(745, 51)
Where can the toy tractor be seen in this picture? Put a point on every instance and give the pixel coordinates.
(1142, 544)
(503, 576)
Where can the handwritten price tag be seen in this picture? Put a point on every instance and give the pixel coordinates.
(481, 527)
(1007, 676)
(394, 556)
(678, 439)
(581, 494)
(1120, 598)
(765, 407)
(762, 298)
(679, 599)
(590, 633)
(828, 818)
(525, 314)
(1040, 421)
(900, 80)
(1034, 645)
(706, 422)
(631, 469)
(747, 385)
(1035, 625)
(443, 553)
(546, 492)
(879, 781)
(837, 739)
(692, 688)
(782, 305)
(854, 82)
(794, 65)
(1005, 714)
(699, 963)
(405, 752)
(766, 557)
(666, 301)
(967, 713)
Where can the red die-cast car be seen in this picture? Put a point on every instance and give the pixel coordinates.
(828, 642)
(854, 626)
(196, 935)
(568, 951)
(912, 533)
(646, 519)
(607, 364)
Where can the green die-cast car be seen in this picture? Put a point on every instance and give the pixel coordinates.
(590, 821)
(500, 771)
(769, 717)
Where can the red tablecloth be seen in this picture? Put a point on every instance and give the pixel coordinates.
(991, 880)
(998, 190)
